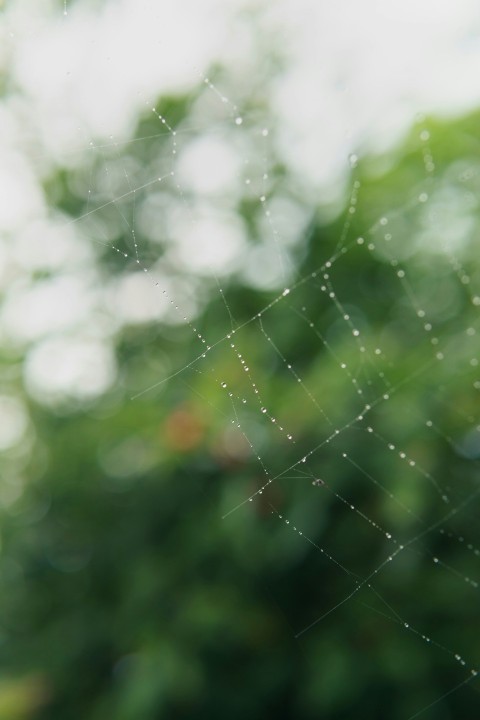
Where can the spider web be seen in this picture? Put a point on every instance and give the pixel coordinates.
(324, 416)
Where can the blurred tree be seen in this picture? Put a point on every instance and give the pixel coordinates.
(125, 594)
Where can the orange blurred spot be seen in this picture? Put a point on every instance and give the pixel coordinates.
(183, 430)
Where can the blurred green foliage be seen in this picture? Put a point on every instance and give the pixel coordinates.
(126, 595)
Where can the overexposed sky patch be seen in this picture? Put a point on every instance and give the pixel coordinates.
(353, 76)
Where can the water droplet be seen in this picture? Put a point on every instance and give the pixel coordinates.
(353, 160)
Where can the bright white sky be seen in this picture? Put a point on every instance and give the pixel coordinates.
(356, 71)
(356, 75)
